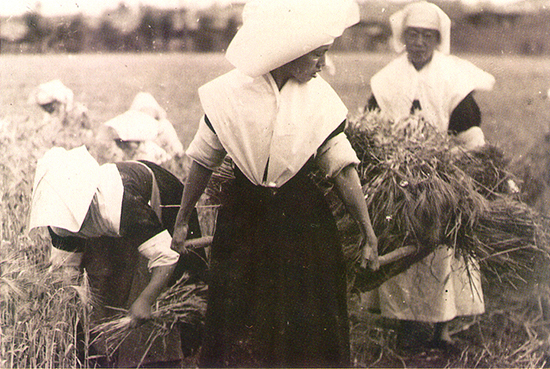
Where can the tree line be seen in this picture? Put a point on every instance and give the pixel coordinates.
(120, 31)
(152, 30)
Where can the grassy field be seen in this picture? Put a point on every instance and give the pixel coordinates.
(515, 113)
(516, 116)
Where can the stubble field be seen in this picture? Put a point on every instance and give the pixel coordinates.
(516, 116)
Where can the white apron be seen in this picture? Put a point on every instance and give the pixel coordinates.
(436, 289)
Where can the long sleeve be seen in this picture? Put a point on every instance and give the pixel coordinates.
(206, 148)
(66, 251)
(465, 116)
(336, 153)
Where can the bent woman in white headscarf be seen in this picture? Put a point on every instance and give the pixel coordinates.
(277, 289)
(424, 79)
(54, 98)
(62, 114)
(143, 132)
(111, 221)
(167, 137)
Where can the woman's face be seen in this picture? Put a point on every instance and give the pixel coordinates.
(127, 146)
(307, 66)
(51, 107)
(420, 44)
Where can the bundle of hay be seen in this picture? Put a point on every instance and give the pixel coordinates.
(182, 303)
(424, 190)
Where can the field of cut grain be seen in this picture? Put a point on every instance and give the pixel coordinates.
(38, 309)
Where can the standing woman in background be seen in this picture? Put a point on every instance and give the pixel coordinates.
(426, 80)
(277, 290)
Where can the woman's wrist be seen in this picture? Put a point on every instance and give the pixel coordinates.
(368, 232)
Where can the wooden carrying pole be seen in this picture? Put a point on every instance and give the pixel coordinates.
(198, 243)
(396, 254)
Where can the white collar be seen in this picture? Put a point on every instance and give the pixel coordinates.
(256, 122)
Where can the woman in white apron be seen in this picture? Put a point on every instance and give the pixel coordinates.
(424, 79)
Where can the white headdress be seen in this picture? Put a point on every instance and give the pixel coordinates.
(52, 91)
(275, 32)
(64, 185)
(146, 103)
(424, 15)
(134, 125)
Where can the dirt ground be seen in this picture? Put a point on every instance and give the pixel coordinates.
(511, 333)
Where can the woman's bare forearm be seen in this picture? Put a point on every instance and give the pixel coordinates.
(196, 183)
(348, 186)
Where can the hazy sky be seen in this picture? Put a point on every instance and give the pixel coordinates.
(54, 7)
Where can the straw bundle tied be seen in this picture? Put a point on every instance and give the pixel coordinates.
(181, 303)
(424, 190)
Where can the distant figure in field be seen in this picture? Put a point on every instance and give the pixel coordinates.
(57, 101)
(134, 134)
(144, 133)
(167, 137)
(111, 220)
(424, 79)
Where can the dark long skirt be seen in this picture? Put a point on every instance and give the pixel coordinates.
(277, 290)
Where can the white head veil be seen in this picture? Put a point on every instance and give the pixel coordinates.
(64, 185)
(275, 32)
(134, 125)
(146, 103)
(424, 15)
(52, 91)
